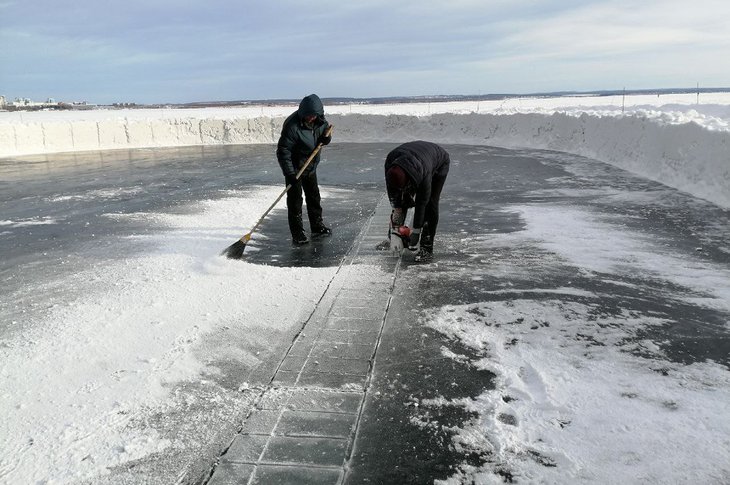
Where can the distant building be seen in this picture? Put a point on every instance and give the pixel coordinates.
(20, 102)
(3, 103)
(27, 104)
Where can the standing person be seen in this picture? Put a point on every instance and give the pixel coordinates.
(415, 173)
(303, 130)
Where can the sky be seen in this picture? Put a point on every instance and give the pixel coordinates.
(176, 51)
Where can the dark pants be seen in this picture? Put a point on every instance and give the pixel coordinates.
(307, 183)
(431, 219)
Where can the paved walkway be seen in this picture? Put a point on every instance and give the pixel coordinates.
(303, 425)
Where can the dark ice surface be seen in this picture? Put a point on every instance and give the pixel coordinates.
(373, 439)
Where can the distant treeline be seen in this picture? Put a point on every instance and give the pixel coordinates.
(424, 99)
(445, 98)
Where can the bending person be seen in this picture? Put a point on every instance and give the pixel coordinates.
(415, 173)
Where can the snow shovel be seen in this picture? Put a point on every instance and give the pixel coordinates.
(235, 250)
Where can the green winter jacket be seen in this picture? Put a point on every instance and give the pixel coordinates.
(298, 141)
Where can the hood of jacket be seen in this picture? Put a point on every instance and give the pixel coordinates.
(310, 105)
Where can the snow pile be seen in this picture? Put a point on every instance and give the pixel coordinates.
(670, 138)
(685, 156)
(32, 133)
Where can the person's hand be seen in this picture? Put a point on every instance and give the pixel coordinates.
(291, 179)
(325, 140)
(413, 239)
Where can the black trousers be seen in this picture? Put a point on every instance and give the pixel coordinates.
(307, 183)
(431, 217)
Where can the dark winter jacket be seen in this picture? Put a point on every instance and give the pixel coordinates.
(298, 141)
(422, 161)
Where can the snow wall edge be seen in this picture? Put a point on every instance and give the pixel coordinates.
(685, 156)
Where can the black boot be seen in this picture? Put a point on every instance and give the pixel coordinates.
(319, 229)
(424, 255)
(296, 227)
(299, 239)
(425, 251)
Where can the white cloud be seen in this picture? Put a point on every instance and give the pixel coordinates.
(373, 48)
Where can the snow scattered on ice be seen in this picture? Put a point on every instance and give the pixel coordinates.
(128, 330)
(596, 246)
(573, 393)
(571, 405)
(581, 395)
(38, 221)
(100, 194)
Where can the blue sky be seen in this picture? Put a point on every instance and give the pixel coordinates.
(174, 51)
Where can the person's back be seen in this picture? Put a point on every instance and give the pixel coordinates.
(415, 173)
(420, 159)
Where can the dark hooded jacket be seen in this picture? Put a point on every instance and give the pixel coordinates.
(422, 161)
(298, 141)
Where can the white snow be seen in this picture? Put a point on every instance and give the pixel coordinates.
(600, 415)
(681, 140)
(99, 194)
(107, 355)
(572, 403)
(74, 384)
(37, 221)
(597, 246)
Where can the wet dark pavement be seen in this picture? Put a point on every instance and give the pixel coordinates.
(340, 403)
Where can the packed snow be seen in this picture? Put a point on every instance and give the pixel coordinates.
(79, 379)
(680, 140)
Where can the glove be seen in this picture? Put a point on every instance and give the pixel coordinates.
(413, 239)
(291, 179)
(397, 217)
(325, 140)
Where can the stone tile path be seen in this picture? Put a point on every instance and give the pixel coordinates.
(304, 423)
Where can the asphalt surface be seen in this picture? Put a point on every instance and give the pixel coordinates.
(360, 419)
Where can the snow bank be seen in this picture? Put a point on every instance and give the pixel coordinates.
(686, 156)
(670, 139)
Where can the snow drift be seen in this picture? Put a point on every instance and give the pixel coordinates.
(681, 145)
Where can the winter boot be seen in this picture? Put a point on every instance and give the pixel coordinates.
(319, 229)
(423, 255)
(299, 239)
